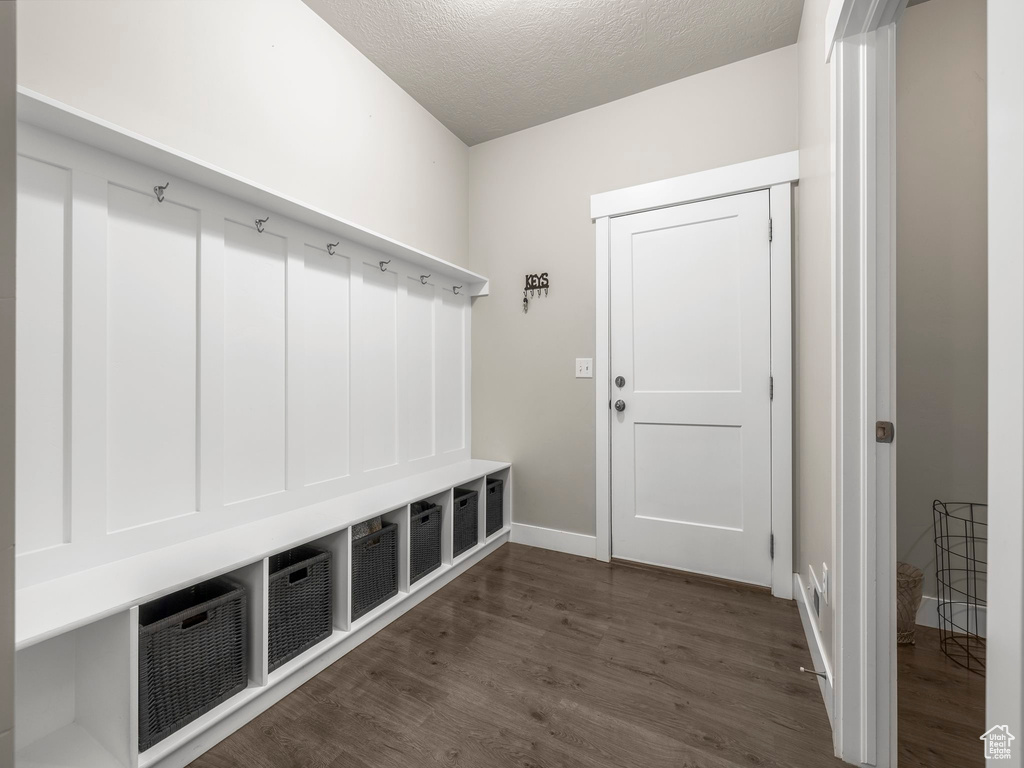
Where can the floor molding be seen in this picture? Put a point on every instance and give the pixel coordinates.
(550, 538)
(928, 615)
(815, 644)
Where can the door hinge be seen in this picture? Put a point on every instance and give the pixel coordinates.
(771, 546)
(771, 387)
(769, 230)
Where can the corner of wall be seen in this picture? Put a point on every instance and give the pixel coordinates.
(8, 85)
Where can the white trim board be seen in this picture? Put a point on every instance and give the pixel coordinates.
(928, 615)
(734, 179)
(555, 540)
(815, 644)
(43, 112)
(860, 38)
(777, 174)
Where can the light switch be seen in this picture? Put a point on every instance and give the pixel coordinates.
(584, 368)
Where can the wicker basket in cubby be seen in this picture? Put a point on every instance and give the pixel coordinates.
(374, 569)
(465, 520)
(192, 656)
(299, 601)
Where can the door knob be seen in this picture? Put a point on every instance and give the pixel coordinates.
(620, 382)
(620, 405)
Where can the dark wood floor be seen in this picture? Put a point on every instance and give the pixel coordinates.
(536, 659)
(941, 708)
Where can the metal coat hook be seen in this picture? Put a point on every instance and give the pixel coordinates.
(331, 247)
(260, 223)
(423, 279)
(384, 265)
(455, 289)
(159, 190)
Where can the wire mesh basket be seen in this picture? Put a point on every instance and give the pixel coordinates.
(961, 570)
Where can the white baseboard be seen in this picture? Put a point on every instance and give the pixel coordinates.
(928, 615)
(815, 644)
(559, 541)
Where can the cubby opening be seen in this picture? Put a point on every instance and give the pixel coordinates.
(254, 578)
(74, 695)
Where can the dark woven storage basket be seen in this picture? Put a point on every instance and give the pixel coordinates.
(495, 500)
(374, 569)
(299, 603)
(424, 540)
(465, 520)
(192, 656)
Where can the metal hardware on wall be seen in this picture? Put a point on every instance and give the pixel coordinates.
(331, 247)
(534, 285)
(456, 289)
(384, 265)
(159, 191)
(260, 223)
(423, 279)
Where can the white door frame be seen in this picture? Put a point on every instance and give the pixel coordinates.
(861, 44)
(777, 174)
(1003, 691)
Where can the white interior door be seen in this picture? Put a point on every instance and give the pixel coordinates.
(690, 333)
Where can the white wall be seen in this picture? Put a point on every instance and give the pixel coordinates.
(265, 89)
(1004, 692)
(812, 326)
(530, 212)
(7, 249)
(941, 263)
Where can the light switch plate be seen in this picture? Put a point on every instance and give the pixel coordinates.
(584, 368)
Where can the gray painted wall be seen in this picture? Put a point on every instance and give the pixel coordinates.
(8, 83)
(812, 327)
(941, 263)
(529, 211)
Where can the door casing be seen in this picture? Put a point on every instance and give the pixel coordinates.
(778, 174)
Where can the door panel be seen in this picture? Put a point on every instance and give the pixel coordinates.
(691, 452)
(705, 460)
(673, 295)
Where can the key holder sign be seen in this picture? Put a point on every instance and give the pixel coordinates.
(538, 285)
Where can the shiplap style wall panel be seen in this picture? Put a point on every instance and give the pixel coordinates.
(152, 255)
(416, 353)
(451, 372)
(44, 200)
(255, 364)
(325, 402)
(216, 374)
(378, 366)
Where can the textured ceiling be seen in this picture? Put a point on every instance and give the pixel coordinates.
(486, 68)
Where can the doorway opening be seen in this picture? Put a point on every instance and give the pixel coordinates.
(941, 382)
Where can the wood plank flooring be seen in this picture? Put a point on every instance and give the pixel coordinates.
(535, 659)
(941, 707)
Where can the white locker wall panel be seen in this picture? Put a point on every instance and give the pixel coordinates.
(180, 373)
(325, 374)
(43, 214)
(377, 367)
(152, 347)
(416, 347)
(255, 407)
(451, 372)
